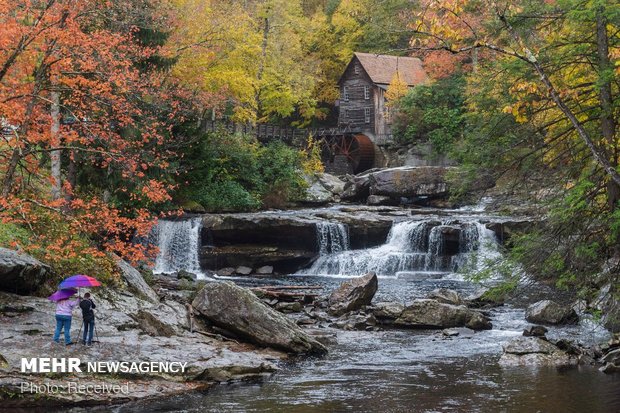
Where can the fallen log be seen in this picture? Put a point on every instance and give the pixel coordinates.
(289, 287)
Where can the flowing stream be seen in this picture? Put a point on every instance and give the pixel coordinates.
(401, 370)
(179, 244)
(428, 246)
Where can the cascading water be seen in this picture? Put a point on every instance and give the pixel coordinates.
(429, 246)
(332, 237)
(178, 243)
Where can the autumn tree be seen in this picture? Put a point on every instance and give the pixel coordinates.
(72, 98)
(543, 107)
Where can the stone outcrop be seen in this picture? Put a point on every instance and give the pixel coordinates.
(426, 313)
(409, 182)
(322, 189)
(27, 323)
(396, 185)
(239, 311)
(533, 351)
(611, 355)
(549, 312)
(20, 273)
(353, 294)
(135, 281)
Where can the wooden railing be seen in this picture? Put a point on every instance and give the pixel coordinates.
(267, 132)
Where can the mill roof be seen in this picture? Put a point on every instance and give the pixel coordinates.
(382, 68)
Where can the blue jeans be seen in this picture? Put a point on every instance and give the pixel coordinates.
(89, 329)
(63, 322)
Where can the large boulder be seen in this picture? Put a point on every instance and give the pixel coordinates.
(387, 310)
(533, 351)
(550, 312)
(316, 193)
(135, 281)
(238, 310)
(323, 188)
(446, 296)
(332, 183)
(425, 181)
(353, 294)
(20, 273)
(426, 313)
(357, 188)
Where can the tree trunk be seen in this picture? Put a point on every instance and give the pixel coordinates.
(55, 154)
(261, 67)
(608, 126)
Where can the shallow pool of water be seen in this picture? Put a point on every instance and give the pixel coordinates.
(413, 370)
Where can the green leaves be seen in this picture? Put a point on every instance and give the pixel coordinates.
(433, 113)
(233, 172)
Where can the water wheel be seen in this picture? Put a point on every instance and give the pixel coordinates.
(358, 150)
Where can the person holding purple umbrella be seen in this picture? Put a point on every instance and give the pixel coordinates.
(64, 313)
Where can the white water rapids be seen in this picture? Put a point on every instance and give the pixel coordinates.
(418, 246)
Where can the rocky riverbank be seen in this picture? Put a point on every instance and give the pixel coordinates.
(138, 325)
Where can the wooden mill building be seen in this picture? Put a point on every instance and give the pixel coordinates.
(363, 85)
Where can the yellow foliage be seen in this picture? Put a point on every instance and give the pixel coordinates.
(396, 89)
(311, 157)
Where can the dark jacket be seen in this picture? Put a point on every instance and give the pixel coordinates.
(87, 306)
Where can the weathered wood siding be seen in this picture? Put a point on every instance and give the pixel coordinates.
(382, 123)
(352, 111)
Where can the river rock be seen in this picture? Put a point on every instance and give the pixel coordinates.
(446, 296)
(20, 273)
(408, 182)
(293, 307)
(478, 321)
(535, 331)
(357, 322)
(238, 310)
(332, 183)
(533, 351)
(353, 294)
(225, 272)
(381, 200)
(481, 299)
(426, 313)
(135, 281)
(357, 188)
(387, 310)
(549, 312)
(316, 193)
(265, 270)
(243, 270)
(186, 275)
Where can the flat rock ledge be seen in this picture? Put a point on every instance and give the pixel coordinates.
(534, 351)
(128, 328)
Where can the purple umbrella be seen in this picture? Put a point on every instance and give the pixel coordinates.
(79, 280)
(62, 294)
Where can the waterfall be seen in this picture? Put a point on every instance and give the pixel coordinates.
(411, 246)
(179, 244)
(332, 237)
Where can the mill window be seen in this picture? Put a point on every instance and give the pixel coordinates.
(367, 115)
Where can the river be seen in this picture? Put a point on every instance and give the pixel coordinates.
(410, 370)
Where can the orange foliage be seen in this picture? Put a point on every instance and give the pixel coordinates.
(80, 50)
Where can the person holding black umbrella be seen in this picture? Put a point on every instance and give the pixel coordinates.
(88, 315)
